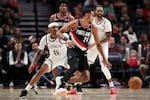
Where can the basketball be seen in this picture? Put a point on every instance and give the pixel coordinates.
(135, 83)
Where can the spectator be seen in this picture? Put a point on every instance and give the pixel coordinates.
(7, 32)
(91, 4)
(133, 63)
(131, 34)
(17, 35)
(125, 21)
(117, 33)
(139, 17)
(18, 61)
(146, 10)
(124, 43)
(143, 39)
(108, 7)
(145, 68)
(112, 45)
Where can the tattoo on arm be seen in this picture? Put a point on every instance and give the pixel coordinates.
(37, 56)
(108, 35)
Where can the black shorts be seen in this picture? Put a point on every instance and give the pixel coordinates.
(78, 59)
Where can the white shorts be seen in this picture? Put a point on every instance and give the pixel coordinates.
(52, 64)
(92, 53)
(105, 50)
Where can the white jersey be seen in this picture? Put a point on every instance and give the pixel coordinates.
(103, 26)
(57, 50)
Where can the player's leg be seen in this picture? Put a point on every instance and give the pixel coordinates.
(44, 68)
(83, 76)
(106, 71)
(61, 81)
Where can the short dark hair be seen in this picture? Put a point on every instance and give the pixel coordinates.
(62, 1)
(125, 37)
(86, 10)
(98, 6)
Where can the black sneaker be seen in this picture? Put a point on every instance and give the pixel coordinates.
(78, 89)
(23, 93)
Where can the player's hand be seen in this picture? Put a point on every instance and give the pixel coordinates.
(70, 44)
(107, 64)
(30, 69)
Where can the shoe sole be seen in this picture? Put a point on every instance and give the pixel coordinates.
(60, 92)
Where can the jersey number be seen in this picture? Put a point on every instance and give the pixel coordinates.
(56, 52)
(86, 39)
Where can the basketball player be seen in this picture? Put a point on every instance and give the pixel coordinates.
(62, 18)
(80, 32)
(104, 33)
(56, 57)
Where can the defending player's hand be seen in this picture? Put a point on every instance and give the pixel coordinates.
(107, 64)
(70, 44)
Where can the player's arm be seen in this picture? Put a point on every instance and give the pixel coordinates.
(108, 36)
(107, 30)
(52, 18)
(71, 18)
(69, 26)
(99, 47)
(37, 55)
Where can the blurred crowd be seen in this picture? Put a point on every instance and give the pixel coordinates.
(130, 37)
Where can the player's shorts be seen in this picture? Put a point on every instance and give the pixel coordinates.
(52, 64)
(78, 59)
(92, 53)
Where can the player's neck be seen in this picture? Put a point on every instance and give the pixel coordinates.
(98, 19)
(62, 15)
(53, 36)
(84, 22)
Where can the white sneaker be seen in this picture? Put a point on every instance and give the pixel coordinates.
(11, 84)
(58, 82)
(60, 92)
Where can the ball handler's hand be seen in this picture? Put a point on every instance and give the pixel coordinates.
(107, 64)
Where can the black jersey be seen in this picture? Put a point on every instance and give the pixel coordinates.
(61, 22)
(81, 36)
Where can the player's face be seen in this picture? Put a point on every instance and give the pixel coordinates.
(53, 30)
(90, 16)
(63, 8)
(99, 12)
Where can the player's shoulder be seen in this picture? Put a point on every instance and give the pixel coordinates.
(106, 20)
(52, 17)
(45, 36)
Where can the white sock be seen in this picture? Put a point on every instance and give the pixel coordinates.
(111, 84)
(28, 87)
(78, 83)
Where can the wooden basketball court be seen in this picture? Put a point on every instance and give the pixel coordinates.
(89, 94)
